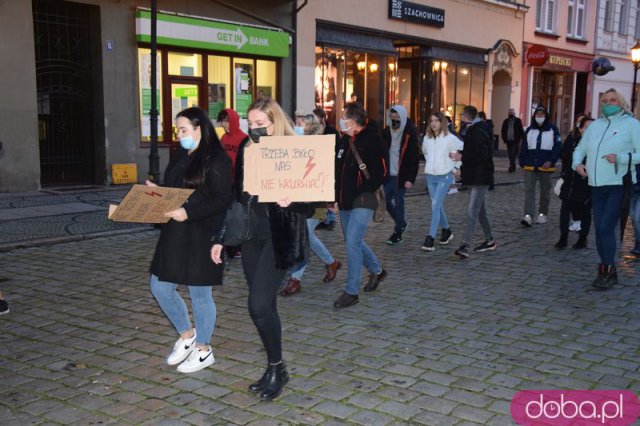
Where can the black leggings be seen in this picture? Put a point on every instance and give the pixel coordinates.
(264, 279)
(580, 211)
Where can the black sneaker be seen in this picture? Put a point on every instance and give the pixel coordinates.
(446, 236)
(4, 307)
(345, 300)
(375, 280)
(463, 251)
(428, 244)
(395, 238)
(487, 245)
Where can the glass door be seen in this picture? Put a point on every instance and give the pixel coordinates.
(184, 94)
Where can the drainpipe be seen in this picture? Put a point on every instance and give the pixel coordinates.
(294, 52)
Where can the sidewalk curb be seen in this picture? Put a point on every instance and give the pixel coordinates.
(16, 245)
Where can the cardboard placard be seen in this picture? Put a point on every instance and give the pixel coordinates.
(148, 204)
(298, 167)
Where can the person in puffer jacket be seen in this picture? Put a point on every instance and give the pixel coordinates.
(539, 153)
(437, 144)
(611, 145)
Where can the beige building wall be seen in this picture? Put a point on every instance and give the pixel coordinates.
(468, 23)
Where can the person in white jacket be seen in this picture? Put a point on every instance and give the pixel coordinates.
(437, 144)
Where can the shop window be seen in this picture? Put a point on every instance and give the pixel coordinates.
(144, 84)
(185, 64)
(329, 81)
(219, 85)
(477, 87)
(244, 82)
(375, 72)
(266, 72)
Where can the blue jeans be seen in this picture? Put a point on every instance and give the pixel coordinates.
(477, 211)
(331, 217)
(438, 189)
(173, 306)
(606, 201)
(354, 226)
(635, 216)
(395, 202)
(316, 247)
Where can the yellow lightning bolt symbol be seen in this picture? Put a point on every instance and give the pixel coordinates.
(310, 165)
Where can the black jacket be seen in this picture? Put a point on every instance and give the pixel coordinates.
(352, 188)
(182, 254)
(409, 153)
(477, 156)
(574, 188)
(518, 130)
(287, 227)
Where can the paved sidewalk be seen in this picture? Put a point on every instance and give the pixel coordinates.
(443, 341)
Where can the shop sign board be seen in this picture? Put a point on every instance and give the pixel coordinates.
(537, 55)
(183, 31)
(562, 61)
(417, 13)
(300, 168)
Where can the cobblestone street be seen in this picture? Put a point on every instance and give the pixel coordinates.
(442, 341)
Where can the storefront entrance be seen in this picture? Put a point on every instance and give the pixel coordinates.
(554, 91)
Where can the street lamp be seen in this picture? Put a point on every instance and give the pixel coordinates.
(635, 58)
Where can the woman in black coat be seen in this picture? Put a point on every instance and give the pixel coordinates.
(574, 192)
(278, 241)
(182, 252)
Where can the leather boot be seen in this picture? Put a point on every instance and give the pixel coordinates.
(259, 385)
(332, 270)
(277, 377)
(292, 287)
(581, 243)
(611, 277)
(562, 242)
(602, 276)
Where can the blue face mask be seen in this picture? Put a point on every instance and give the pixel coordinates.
(188, 143)
(609, 110)
(299, 130)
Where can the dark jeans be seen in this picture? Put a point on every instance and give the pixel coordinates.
(580, 211)
(263, 278)
(607, 201)
(512, 150)
(394, 196)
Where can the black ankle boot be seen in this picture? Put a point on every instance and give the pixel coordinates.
(276, 378)
(611, 277)
(562, 242)
(581, 243)
(259, 385)
(602, 276)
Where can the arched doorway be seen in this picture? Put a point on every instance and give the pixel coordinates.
(500, 98)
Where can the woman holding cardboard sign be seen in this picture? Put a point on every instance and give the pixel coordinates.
(182, 252)
(278, 240)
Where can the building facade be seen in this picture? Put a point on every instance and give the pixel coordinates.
(618, 29)
(428, 56)
(559, 42)
(76, 79)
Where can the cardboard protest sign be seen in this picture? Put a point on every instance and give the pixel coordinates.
(147, 204)
(298, 167)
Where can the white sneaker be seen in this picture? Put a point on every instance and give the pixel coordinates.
(453, 190)
(541, 219)
(197, 360)
(575, 226)
(181, 350)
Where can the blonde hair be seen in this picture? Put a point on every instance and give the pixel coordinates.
(619, 97)
(282, 124)
(444, 129)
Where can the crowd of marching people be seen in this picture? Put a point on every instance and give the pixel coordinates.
(599, 166)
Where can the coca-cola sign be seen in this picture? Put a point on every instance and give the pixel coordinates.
(537, 55)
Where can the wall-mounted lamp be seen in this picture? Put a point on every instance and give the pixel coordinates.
(361, 65)
(373, 67)
(392, 66)
(436, 66)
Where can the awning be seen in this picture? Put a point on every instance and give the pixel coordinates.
(453, 55)
(355, 41)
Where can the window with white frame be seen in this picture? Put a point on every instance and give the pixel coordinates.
(576, 18)
(637, 31)
(545, 15)
(623, 23)
(608, 14)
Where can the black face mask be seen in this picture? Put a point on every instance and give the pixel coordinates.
(395, 124)
(258, 132)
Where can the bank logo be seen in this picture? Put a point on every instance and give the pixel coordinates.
(573, 407)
